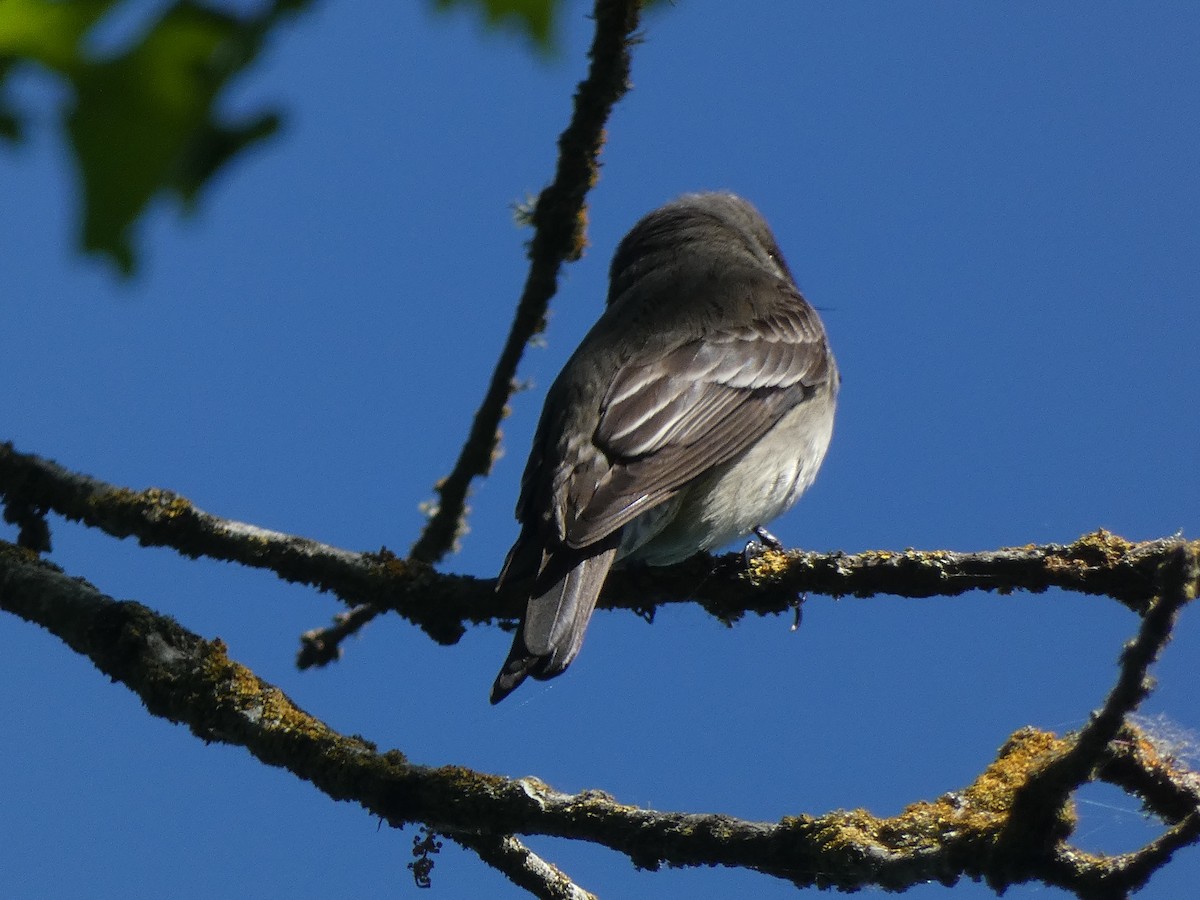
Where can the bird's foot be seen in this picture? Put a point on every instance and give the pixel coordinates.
(766, 541)
(769, 540)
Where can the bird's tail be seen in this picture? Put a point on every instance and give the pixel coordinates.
(556, 618)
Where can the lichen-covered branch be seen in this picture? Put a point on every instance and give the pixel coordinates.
(969, 832)
(162, 518)
(1041, 801)
(1143, 762)
(1099, 563)
(443, 605)
(523, 867)
(559, 221)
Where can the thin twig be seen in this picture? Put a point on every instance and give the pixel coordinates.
(559, 222)
(321, 646)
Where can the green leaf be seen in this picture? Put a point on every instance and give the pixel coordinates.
(534, 17)
(45, 32)
(11, 126)
(142, 122)
(48, 32)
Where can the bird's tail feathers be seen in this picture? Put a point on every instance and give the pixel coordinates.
(556, 618)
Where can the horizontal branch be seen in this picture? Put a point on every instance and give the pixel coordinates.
(1100, 563)
(443, 605)
(186, 679)
(161, 518)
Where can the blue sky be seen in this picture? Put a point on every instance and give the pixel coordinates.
(997, 208)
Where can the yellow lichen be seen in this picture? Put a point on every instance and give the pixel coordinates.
(1026, 752)
(767, 565)
(1102, 544)
(166, 504)
(169, 503)
(980, 810)
(269, 706)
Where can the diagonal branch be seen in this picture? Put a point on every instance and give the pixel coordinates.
(523, 867)
(1040, 816)
(1141, 763)
(186, 679)
(1179, 576)
(559, 221)
(161, 518)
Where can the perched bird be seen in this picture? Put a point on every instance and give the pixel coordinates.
(698, 407)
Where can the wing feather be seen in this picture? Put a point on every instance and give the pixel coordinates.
(667, 419)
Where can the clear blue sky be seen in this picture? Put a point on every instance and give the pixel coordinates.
(996, 206)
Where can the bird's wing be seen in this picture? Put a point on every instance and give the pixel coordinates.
(665, 419)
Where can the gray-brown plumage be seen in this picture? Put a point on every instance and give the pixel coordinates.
(698, 407)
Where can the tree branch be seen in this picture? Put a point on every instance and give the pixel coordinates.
(161, 518)
(559, 222)
(523, 867)
(186, 679)
(1041, 816)
(1139, 762)
(1099, 563)
(443, 605)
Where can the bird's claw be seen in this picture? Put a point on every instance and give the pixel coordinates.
(798, 610)
(769, 540)
(766, 541)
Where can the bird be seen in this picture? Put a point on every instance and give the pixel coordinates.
(698, 408)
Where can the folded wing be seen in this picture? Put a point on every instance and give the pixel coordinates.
(667, 419)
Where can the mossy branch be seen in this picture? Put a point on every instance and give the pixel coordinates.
(1025, 791)
(443, 605)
